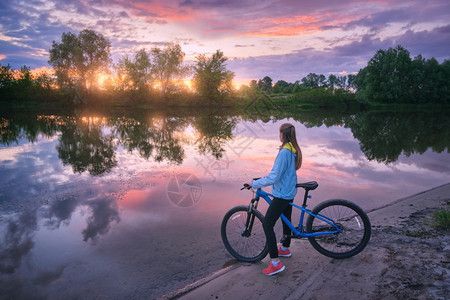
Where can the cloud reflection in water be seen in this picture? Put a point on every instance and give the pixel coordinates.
(107, 206)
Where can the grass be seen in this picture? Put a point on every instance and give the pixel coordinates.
(441, 219)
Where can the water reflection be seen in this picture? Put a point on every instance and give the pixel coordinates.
(90, 144)
(17, 241)
(82, 198)
(213, 132)
(384, 136)
(152, 137)
(20, 228)
(84, 146)
(59, 211)
(103, 212)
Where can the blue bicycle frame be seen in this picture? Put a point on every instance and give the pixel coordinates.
(300, 232)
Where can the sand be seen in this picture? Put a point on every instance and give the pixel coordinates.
(406, 258)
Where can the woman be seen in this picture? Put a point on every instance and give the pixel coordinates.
(283, 178)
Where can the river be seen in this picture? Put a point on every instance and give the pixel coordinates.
(129, 205)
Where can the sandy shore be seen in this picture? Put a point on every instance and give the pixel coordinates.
(405, 259)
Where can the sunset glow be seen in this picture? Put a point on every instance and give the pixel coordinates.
(93, 120)
(46, 70)
(283, 39)
(102, 79)
(188, 84)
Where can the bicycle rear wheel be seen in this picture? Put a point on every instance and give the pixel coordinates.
(347, 216)
(243, 234)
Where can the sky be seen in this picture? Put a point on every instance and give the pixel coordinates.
(284, 40)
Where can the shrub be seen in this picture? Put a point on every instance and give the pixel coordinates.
(441, 219)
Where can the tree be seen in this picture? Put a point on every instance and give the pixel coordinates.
(351, 81)
(168, 66)
(314, 81)
(24, 83)
(280, 86)
(445, 87)
(332, 80)
(7, 82)
(387, 76)
(211, 78)
(322, 81)
(265, 84)
(78, 59)
(135, 74)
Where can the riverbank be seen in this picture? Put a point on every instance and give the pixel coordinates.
(406, 258)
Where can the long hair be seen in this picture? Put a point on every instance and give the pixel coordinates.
(288, 131)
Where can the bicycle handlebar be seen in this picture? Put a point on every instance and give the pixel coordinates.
(246, 186)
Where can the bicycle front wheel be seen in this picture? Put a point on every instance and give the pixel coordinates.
(352, 221)
(243, 234)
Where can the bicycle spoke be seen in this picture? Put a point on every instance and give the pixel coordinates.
(353, 224)
(246, 247)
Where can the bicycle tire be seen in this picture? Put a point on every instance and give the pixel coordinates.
(348, 216)
(241, 244)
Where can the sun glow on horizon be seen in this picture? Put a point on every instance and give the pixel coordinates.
(102, 79)
(188, 84)
(46, 70)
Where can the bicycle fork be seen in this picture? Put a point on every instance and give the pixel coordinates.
(250, 218)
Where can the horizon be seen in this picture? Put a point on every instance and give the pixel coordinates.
(284, 40)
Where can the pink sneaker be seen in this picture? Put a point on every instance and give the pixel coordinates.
(272, 270)
(284, 253)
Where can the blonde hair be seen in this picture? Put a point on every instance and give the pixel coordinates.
(288, 131)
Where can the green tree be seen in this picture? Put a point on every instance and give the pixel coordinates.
(433, 80)
(265, 84)
(445, 88)
(323, 81)
(297, 87)
(351, 81)
(135, 74)
(77, 59)
(211, 77)
(44, 81)
(280, 86)
(24, 83)
(332, 80)
(168, 67)
(341, 81)
(7, 82)
(314, 81)
(387, 76)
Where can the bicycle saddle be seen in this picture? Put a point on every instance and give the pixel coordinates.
(309, 186)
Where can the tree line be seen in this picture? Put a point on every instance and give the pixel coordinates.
(157, 76)
(391, 76)
(81, 61)
(309, 82)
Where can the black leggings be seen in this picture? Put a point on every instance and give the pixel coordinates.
(276, 208)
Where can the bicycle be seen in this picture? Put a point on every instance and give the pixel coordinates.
(336, 228)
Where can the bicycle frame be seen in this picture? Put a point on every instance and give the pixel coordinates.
(296, 232)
